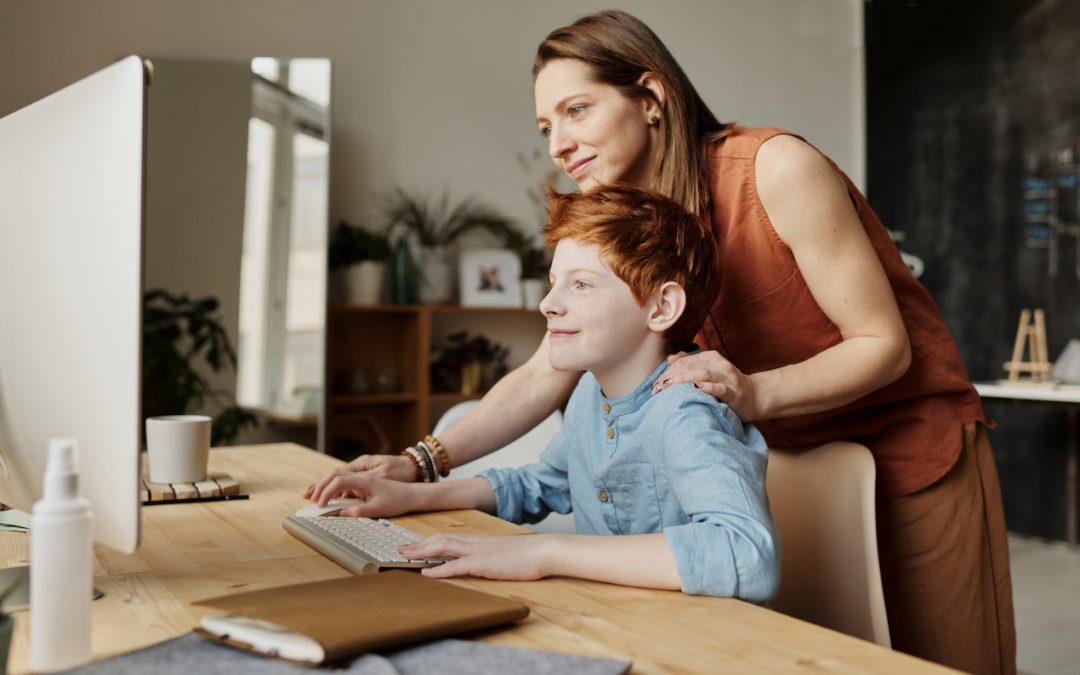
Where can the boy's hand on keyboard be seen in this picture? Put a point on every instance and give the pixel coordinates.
(382, 498)
(517, 558)
(393, 467)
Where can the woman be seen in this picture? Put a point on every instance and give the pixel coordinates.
(819, 332)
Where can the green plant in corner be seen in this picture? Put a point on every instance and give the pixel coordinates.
(179, 335)
(352, 244)
(434, 224)
(535, 259)
(437, 223)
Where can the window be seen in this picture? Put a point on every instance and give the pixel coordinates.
(283, 270)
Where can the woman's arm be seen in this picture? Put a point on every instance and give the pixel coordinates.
(516, 404)
(632, 560)
(809, 207)
(382, 498)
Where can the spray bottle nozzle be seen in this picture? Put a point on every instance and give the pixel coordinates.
(62, 472)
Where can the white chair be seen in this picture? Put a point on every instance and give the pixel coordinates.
(524, 450)
(822, 502)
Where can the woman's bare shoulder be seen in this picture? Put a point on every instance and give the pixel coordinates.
(799, 188)
(784, 158)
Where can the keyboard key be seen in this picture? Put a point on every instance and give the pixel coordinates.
(361, 545)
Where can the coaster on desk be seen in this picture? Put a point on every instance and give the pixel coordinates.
(216, 487)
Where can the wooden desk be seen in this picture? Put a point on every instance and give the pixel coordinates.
(195, 551)
(1060, 395)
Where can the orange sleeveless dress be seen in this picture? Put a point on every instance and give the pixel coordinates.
(765, 318)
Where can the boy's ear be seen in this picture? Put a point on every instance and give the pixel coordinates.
(667, 306)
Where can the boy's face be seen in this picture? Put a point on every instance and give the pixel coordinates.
(594, 323)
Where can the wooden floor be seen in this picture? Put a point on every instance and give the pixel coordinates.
(1046, 595)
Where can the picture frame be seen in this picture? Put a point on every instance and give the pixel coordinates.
(489, 277)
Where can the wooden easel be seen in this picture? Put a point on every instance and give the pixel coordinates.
(1032, 335)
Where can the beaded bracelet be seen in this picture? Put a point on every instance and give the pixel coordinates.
(436, 464)
(440, 454)
(416, 463)
(429, 460)
(422, 474)
(429, 465)
(426, 460)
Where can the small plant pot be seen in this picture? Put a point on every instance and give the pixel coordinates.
(472, 376)
(437, 285)
(364, 283)
(532, 292)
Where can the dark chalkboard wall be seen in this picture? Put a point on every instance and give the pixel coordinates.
(965, 101)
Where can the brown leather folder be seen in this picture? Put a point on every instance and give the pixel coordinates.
(354, 615)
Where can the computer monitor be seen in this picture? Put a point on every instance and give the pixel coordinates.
(71, 252)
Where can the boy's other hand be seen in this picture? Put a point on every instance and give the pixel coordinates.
(713, 374)
(509, 558)
(393, 467)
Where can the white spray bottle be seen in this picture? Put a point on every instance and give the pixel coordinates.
(61, 566)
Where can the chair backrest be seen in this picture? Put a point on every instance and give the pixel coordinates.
(822, 502)
(453, 416)
(524, 450)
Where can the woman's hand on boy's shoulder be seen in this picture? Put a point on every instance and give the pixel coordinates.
(713, 374)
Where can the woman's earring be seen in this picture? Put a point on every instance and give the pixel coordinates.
(654, 120)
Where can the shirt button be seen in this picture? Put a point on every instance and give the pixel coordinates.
(607, 408)
(611, 433)
(603, 495)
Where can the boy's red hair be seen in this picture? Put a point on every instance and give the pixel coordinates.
(647, 240)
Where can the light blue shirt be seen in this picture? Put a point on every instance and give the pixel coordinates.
(679, 462)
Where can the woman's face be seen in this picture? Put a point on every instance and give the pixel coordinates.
(595, 134)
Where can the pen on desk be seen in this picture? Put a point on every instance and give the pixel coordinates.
(195, 500)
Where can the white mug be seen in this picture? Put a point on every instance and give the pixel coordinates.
(178, 447)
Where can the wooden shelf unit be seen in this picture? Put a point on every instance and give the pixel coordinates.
(391, 345)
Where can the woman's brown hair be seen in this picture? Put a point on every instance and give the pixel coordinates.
(619, 49)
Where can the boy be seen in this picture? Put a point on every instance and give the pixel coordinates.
(676, 475)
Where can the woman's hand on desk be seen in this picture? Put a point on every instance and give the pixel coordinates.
(393, 467)
(508, 558)
(382, 497)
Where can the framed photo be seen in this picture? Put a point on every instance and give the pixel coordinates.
(490, 277)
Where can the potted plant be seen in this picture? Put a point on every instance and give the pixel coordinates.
(359, 257)
(469, 364)
(435, 224)
(535, 262)
(535, 258)
(180, 335)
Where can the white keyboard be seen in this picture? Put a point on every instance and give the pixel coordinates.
(360, 545)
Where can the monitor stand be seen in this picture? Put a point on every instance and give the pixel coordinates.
(15, 589)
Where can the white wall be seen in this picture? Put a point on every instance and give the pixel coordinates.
(196, 164)
(432, 93)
